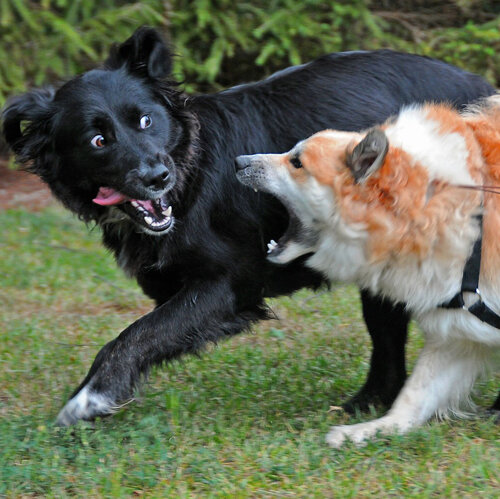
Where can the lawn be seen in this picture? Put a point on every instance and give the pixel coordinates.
(245, 419)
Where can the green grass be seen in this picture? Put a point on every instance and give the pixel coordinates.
(246, 419)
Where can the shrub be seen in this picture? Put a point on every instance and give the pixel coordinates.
(222, 42)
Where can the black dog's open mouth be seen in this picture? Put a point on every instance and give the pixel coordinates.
(154, 215)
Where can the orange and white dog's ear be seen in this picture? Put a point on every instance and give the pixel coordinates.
(368, 156)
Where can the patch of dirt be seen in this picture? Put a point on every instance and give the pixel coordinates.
(22, 189)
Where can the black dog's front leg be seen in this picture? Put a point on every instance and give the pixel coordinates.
(202, 313)
(388, 327)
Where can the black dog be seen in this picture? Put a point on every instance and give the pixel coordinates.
(122, 146)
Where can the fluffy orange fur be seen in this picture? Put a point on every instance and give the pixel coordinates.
(486, 129)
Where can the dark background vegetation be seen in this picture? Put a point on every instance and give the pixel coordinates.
(223, 42)
(219, 43)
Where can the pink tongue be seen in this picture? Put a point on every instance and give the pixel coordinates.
(108, 196)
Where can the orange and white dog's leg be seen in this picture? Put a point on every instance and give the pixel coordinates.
(441, 380)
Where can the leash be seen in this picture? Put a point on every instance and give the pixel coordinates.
(470, 281)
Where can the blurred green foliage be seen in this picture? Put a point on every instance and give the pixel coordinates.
(222, 42)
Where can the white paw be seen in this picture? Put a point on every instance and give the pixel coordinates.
(339, 435)
(360, 433)
(86, 405)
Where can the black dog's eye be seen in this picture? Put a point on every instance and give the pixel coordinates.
(146, 121)
(296, 162)
(98, 141)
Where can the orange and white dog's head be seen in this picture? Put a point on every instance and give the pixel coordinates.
(393, 193)
(303, 179)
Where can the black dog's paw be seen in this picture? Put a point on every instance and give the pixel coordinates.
(361, 402)
(369, 397)
(86, 405)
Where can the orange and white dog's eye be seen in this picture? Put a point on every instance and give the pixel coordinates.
(296, 163)
(146, 121)
(98, 141)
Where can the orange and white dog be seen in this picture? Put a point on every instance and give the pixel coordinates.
(395, 209)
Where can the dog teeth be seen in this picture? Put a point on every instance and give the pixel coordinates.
(135, 204)
(167, 212)
(163, 223)
(272, 245)
(255, 189)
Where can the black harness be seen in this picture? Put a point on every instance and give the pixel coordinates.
(470, 284)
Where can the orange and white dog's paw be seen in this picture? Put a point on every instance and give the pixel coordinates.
(360, 433)
(356, 433)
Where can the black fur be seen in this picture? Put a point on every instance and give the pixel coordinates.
(208, 273)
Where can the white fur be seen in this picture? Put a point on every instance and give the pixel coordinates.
(421, 284)
(444, 155)
(86, 404)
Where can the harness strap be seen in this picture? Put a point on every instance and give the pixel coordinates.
(470, 277)
(470, 284)
(484, 313)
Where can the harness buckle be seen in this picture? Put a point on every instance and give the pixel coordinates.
(477, 292)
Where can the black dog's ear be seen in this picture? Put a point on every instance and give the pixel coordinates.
(368, 156)
(145, 53)
(26, 120)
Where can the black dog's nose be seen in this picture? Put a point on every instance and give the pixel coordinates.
(156, 176)
(241, 162)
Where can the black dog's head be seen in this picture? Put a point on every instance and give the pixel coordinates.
(108, 137)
